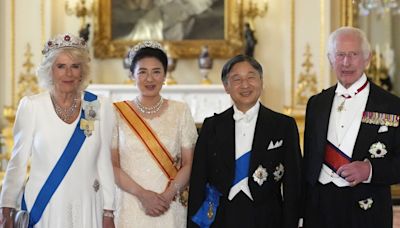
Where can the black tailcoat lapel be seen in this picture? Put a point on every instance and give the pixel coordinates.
(262, 132)
(225, 132)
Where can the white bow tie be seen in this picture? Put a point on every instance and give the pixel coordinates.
(344, 95)
(237, 116)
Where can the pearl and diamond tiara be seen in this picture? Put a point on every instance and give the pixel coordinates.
(62, 41)
(143, 44)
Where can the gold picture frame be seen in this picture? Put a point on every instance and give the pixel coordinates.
(105, 46)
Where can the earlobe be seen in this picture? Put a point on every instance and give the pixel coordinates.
(330, 60)
(225, 88)
(131, 76)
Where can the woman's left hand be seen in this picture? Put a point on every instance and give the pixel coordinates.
(168, 195)
(108, 222)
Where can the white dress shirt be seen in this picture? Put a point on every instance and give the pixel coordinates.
(245, 124)
(344, 125)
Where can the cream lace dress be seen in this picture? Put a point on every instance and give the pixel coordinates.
(176, 129)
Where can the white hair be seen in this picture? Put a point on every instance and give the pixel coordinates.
(365, 46)
(44, 71)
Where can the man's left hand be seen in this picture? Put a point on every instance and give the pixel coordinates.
(355, 172)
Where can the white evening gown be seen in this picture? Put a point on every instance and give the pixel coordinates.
(41, 134)
(175, 128)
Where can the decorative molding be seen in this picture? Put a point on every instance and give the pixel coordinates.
(322, 55)
(27, 81)
(347, 12)
(42, 21)
(293, 52)
(13, 95)
(307, 80)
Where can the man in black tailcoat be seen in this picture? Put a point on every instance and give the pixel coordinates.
(246, 167)
(351, 143)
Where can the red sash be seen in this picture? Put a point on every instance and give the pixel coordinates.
(154, 146)
(334, 157)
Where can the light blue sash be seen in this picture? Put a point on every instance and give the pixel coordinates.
(59, 171)
(242, 168)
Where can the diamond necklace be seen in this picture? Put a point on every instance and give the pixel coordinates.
(64, 113)
(149, 110)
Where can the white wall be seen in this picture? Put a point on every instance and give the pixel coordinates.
(4, 56)
(273, 51)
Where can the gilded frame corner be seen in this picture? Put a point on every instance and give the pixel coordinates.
(106, 47)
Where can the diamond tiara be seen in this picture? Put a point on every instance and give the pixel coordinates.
(64, 40)
(144, 44)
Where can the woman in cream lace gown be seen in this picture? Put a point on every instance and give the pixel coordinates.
(152, 148)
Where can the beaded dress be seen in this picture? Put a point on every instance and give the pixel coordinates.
(176, 129)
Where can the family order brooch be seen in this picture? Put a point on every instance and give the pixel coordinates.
(279, 171)
(91, 109)
(260, 175)
(366, 203)
(378, 150)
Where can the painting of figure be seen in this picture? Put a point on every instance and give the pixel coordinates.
(171, 20)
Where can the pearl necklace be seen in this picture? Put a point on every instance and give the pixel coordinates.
(64, 113)
(149, 110)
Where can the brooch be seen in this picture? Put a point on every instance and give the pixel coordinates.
(377, 150)
(378, 118)
(366, 203)
(96, 185)
(87, 126)
(260, 175)
(279, 171)
(91, 109)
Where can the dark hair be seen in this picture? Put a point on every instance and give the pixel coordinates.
(238, 59)
(149, 52)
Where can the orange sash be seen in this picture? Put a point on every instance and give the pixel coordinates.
(149, 138)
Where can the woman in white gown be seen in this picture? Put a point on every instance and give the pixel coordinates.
(65, 132)
(152, 148)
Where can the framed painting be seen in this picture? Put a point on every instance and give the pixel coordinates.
(182, 26)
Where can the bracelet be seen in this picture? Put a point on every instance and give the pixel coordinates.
(109, 214)
(176, 186)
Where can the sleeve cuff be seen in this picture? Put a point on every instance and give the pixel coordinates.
(370, 172)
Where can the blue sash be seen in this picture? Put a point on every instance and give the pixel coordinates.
(205, 216)
(242, 168)
(59, 171)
